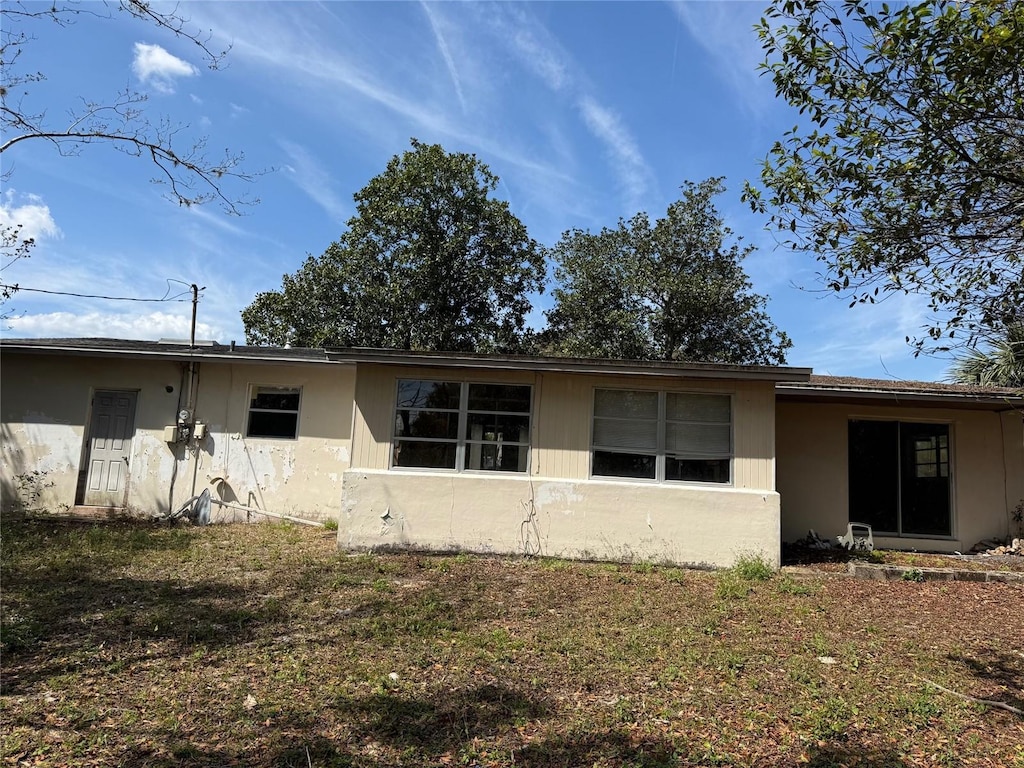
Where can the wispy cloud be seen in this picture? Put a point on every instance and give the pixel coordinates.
(311, 177)
(442, 46)
(158, 68)
(632, 170)
(30, 213)
(725, 31)
(537, 50)
(863, 337)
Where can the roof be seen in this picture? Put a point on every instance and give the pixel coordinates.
(925, 392)
(166, 350)
(598, 366)
(206, 350)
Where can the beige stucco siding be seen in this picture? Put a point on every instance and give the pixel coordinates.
(1013, 448)
(586, 519)
(556, 508)
(563, 413)
(986, 455)
(45, 406)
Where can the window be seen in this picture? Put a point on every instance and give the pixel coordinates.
(899, 477)
(273, 412)
(462, 426)
(683, 436)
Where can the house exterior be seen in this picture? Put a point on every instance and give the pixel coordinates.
(99, 420)
(933, 467)
(617, 460)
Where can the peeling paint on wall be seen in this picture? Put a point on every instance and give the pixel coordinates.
(340, 452)
(58, 445)
(562, 495)
(152, 457)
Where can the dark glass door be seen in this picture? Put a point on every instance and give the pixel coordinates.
(924, 492)
(899, 477)
(875, 474)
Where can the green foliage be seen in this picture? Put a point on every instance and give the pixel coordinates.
(331, 524)
(751, 566)
(429, 262)
(674, 290)
(1001, 364)
(731, 586)
(787, 585)
(31, 486)
(907, 173)
(913, 574)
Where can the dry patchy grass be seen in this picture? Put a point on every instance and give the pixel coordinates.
(128, 645)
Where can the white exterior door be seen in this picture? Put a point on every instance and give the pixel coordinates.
(110, 440)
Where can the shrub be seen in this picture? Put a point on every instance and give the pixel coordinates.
(751, 566)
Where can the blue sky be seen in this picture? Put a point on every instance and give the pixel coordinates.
(588, 112)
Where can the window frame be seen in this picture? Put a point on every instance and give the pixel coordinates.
(950, 476)
(461, 441)
(661, 452)
(253, 389)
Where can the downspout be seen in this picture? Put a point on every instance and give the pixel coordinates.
(193, 388)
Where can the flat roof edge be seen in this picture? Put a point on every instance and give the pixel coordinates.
(571, 365)
(198, 354)
(849, 393)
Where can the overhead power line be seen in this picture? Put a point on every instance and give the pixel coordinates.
(96, 296)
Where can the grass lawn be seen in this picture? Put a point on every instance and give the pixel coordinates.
(261, 645)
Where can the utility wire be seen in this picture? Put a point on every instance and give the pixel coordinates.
(94, 296)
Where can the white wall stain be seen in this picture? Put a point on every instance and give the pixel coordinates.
(152, 457)
(250, 465)
(559, 495)
(54, 447)
(340, 452)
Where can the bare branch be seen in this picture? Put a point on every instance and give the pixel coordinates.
(121, 122)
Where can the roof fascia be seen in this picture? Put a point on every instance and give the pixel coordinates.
(786, 390)
(199, 354)
(571, 365)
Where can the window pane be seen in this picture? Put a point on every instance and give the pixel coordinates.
(924, 487)
(608, 464)
(698, 438)
(874, 474)
(499, 397)
(438, 424)
(493, 427)
(275, 398)
(621, 433)
(611, 402)
(272, 424)
(413, 453)
(428, 394)
(697, 470)
(684, 406)
(499, 457)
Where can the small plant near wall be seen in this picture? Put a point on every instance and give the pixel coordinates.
(1017, 516)
(30, 487)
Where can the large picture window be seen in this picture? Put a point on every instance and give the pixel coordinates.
(899, 477)
(273, 412)
(462, 426)
(682, 436)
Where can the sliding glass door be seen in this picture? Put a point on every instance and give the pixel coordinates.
(899, 477)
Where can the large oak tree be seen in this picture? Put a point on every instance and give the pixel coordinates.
(430, 261)
(671, 290)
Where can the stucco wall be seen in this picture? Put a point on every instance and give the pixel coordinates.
(45, 405)
(575, 516)
(563, 414)
(552, 517)
(987, 465)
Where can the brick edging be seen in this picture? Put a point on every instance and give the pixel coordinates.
(900, 572)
